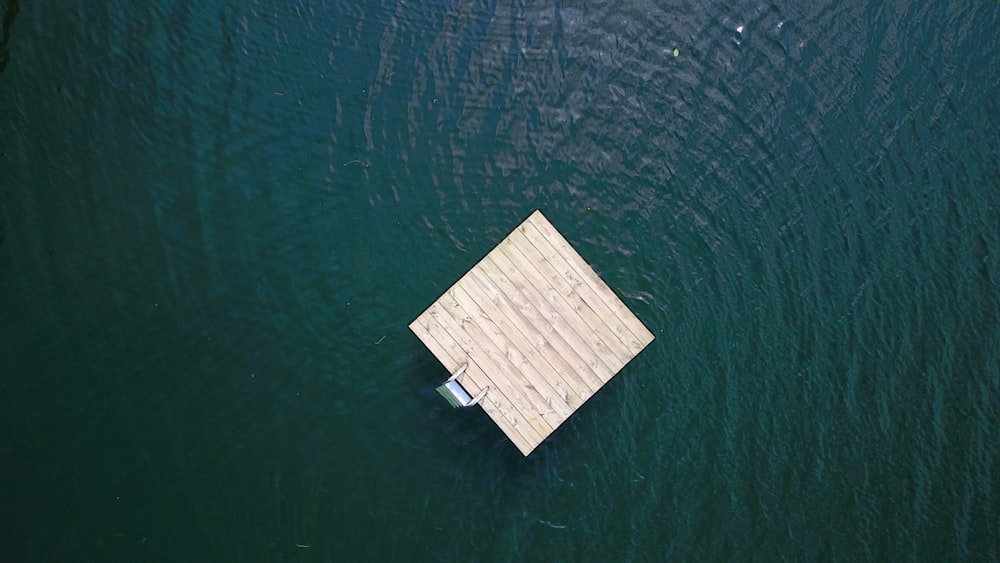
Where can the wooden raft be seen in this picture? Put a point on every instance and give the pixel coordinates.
(536, 326)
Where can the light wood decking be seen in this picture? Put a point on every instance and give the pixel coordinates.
(537, 326)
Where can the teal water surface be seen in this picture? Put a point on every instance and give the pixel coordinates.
(218, 218)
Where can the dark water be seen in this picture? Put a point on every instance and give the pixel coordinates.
(217, 219)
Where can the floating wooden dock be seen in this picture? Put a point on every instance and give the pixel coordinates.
(537, 327)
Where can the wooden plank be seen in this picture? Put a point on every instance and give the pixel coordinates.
(523, 370)
(527, 337)
(451, 353)
(638, 329)
(591, 342)
(564, 338)
(537, 326)
(570, 265)
(568, 300)
(498, 368)
(499, 407)
(641, 335)
(514, 425)
(488, 360)
(555, 370)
